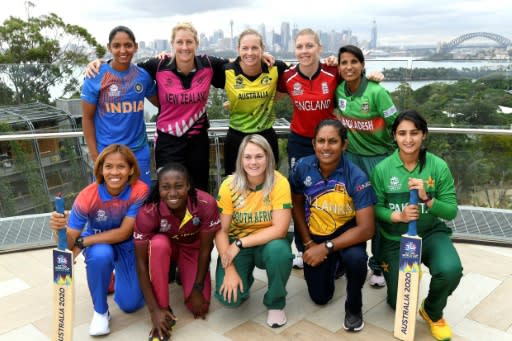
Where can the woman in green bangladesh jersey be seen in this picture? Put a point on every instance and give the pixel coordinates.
(368, 112)
(412, 167)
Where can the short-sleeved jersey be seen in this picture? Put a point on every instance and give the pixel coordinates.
(390, 181)
(253, 211)
(119, 99)
(183, 98)
(312, 98)
(368, 115)
(331, 203)
(251, 99)
(101, 211)
(202, 217)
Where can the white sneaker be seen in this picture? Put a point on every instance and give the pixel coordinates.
(276, 318)
(377, 281)
(297, 262)
(99, 324)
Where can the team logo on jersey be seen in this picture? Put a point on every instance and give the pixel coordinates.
(394, 184)
(430, 182)
(196, 221)
(239, 82)
(342, 104)
(101, 216)
(308, 181)
(365, 107)
(164, 225)
(113, 91)
(325, 88)
(297, 89)
(339, 188)
(138, 88)
(266, 80)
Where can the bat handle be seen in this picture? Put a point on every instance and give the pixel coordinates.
(62, 244)
(413, 200)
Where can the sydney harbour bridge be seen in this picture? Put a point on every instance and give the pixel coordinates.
(458, 42)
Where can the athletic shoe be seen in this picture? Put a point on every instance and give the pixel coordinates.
(99, 324)
(377, 281)
(276, 318)
(353, 322)
(440, 329)
(297, 262)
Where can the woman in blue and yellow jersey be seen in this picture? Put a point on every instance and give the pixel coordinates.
(412, 167)
(333, 213)
(254, 204)
(367, 110)
(113, 102)
(251, 87)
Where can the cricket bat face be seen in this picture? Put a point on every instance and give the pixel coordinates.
(409, 273)
(63, 296)
(63, 284)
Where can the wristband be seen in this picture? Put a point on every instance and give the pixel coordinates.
(429, 198)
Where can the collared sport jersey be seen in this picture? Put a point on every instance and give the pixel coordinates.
(390, 181)
(252, 211)
(101, 211)
(183, 98)
(312, 98)
(251, 99)
(119, 99)
(154, 218)
(331, 203)
(368, 115)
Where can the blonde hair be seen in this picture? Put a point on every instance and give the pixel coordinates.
(307, 32)
(240, 183)
(184, 26)
(129, 157)
(250, 31)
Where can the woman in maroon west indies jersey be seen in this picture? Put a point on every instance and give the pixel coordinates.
(176, 223)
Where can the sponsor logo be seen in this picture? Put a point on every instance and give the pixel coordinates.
(164, 225)
(101, 216)
(239, 82)
(297, 89)
(308, 181)
(113, 91)
(394, 184)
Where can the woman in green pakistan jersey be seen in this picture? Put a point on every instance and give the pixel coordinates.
(412, 167)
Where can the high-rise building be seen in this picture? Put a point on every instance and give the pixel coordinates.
(373, 38)
(285, 36)
(263, 32)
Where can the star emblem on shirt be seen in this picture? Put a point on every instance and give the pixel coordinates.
(430, 182)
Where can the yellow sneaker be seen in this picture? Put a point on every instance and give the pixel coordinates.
(440, 329)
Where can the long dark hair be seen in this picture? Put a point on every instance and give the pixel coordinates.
(154, 195)
(419, 122)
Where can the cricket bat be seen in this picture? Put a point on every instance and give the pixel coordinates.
(63, 284)
(408, 280)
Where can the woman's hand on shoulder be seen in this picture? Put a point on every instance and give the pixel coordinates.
(375, 76)
(164, 54)
(332, 60)
(93, 68)
(268, 59)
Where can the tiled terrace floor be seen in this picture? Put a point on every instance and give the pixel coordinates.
(480, 309)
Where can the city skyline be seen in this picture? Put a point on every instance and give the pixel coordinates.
(399, 22)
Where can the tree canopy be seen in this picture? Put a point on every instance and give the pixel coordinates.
(42, 52)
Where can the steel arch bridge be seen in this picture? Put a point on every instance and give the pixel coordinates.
(501, 40)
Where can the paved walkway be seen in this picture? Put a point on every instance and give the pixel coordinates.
(480, 309)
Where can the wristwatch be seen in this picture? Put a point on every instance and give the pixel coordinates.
(329, 245)
(198, 286)
(79, 243)
(239, 244)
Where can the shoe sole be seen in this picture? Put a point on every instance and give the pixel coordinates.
(377, 286)
(354, 329)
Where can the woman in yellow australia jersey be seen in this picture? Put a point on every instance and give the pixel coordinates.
(255, 211)
(250, 86)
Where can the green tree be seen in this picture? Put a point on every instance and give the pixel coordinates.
(42, 52)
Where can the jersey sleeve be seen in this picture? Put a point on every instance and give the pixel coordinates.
(146, 222)
(224, 200)
(445, 198)
(79, 211)
(281, 67)
(149, 85)
(138, 195)
(361, 190)
(219, 71)
(91, 89)
(386, 107)
(281, 195)
(211, 219)
(151, 66)
(296, 181)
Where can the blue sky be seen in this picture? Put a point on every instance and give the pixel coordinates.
(399, 22)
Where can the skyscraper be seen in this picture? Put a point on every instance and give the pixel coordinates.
(285, 36)
(373, 39)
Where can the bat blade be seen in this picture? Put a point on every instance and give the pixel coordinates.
(63, 285)
(409, 274)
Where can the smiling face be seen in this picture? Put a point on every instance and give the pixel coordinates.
(307, 50)
(350, 68)
(254, 163)
(409, 138)
(185, 46)
(328, 146)
(122, 48)
(116, 173)
(250, 50)
(173, 187)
